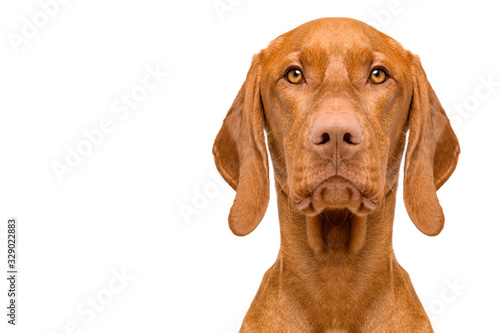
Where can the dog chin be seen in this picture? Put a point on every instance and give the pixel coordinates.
(336, 193)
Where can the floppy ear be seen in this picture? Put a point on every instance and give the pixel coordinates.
(241, 156)
(431, 155)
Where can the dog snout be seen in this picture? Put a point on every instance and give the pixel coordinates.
(336, 136)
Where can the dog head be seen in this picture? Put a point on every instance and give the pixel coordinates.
(336, 98)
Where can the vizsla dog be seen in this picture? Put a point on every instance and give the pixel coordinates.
(336, 98)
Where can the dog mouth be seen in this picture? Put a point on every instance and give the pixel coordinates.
(336, 192)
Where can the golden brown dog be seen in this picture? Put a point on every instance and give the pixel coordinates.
(336, 98)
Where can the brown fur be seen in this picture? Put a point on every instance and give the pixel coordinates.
(336, 270)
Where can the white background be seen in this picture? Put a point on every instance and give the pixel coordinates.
(120, 208)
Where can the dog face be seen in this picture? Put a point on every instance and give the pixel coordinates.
(336, 98)
(336, 109)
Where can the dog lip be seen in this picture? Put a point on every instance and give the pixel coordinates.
(333, 179)
(305, 203)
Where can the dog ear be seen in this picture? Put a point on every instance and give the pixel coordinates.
(241, 156)
(431, 155)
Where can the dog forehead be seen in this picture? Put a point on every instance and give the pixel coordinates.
(331, 35)
(347, 42)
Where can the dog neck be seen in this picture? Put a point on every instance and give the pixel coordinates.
(335, 255)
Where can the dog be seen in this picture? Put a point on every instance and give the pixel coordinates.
(336, 98)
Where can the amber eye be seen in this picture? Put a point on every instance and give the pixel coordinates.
(378, 76)
(295, 76)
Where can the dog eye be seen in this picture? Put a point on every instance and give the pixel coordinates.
(295, 76)
(378, 76)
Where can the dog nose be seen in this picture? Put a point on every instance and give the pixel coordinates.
(336, 136)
